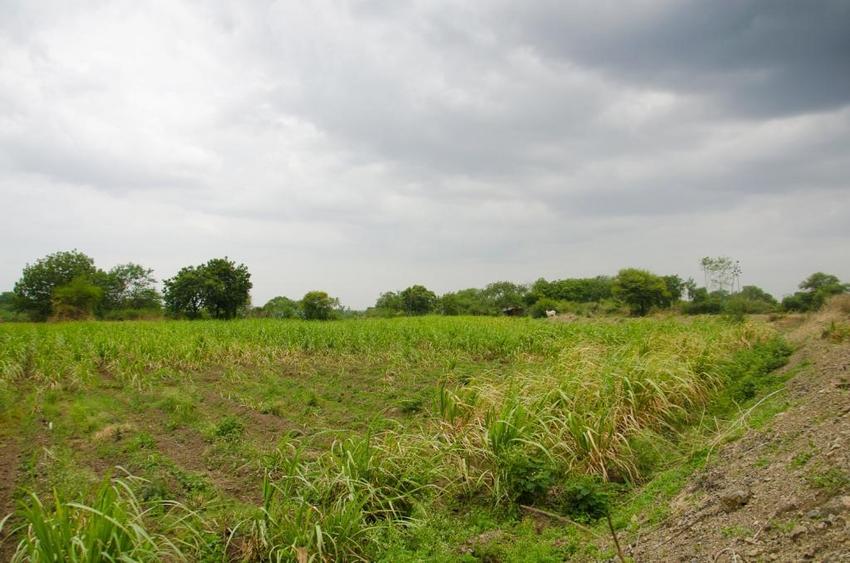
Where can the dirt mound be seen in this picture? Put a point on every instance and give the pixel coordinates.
(781, 493)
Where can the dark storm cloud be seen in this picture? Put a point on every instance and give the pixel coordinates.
(757, 57)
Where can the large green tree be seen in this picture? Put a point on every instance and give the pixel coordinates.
(389, 303)
(640, 290)
(281, 308)
(219, 287)
(418, 300)
(815, 290)
(184, 293)
(76, 300)
(318, 306)
(504, 294)
(228, 287)
(34, 291)
(129, 286)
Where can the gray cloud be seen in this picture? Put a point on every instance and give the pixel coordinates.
(363, 146)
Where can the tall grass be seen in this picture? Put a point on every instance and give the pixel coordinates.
(116, 526)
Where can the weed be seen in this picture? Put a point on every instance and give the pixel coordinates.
(229, 428)
(831, 481)
(736, 532)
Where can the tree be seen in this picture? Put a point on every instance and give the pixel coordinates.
(640, 290)
(129, 286)
(228, 287)
(721, 273)
(76, 300)
(318, 305)
(755, 293)
(690, 288)
(281, 308)
(675, 287)
(464, 302)
(418, 300)
(34, 291)
(219, 287)
(503, 295)
(820, 282)
(184, 293)
(816, 289)
(8, 311)
(389, 301)
(577, 290)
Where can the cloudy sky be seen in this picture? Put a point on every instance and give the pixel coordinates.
(363, 146)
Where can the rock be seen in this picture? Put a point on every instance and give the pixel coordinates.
(814, 514)
(797, 532)
(734, 500)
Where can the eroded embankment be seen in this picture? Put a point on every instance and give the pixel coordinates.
(782, 491)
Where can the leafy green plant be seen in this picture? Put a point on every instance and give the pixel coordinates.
(230, 427)
(585, 498)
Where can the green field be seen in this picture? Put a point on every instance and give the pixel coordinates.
(397, 440)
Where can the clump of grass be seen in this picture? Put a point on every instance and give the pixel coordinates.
(837, 332)
(116, 526)
(230, 427)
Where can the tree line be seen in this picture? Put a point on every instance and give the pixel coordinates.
(68, 286)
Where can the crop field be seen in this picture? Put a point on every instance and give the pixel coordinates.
(396, 440)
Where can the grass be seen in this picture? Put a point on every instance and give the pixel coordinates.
(115, 523)
(401, 439)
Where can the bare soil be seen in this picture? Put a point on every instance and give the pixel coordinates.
(781, 493)
(10, 462)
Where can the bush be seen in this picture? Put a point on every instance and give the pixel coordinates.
(538, 310)
(318, 306)
(585, 498)
(133, 314)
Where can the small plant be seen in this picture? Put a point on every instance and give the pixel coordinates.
(276, 408)
(830, 481)
(736, 532)
(230, 427)
(802, 459)
(585, 498)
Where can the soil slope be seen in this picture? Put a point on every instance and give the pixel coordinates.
(781, 493)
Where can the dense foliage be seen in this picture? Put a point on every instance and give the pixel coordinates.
(815, 291)
(68, 285)
(218, 288)
(318, 306)
(640, 290)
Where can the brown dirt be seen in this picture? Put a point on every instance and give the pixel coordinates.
(10, 462)
(186, 448)
(781, 493)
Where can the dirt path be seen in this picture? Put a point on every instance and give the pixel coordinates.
(781, 493)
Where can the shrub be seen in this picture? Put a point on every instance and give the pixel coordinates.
(585, 498)
(538, 310)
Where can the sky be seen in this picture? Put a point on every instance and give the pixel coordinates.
(364, 146)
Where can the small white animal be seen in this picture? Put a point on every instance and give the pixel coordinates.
(551, 314)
